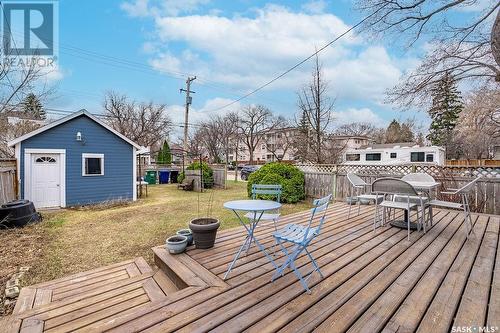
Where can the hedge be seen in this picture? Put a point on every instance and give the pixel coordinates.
(288, 176)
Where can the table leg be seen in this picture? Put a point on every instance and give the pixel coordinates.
(235, 258)
(250, 237)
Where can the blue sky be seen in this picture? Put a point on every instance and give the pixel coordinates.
(232, 46)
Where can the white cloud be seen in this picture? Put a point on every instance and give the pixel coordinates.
(474, 6)
(243, 52)
(315, 7)
(354, 115)
(247, 51)
(364, 76)
(144, 8)
(208, 110)
(53, 75)
(137, 8)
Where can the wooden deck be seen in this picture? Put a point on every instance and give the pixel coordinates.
(373, 282)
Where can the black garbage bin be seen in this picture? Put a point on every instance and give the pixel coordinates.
(173, 176)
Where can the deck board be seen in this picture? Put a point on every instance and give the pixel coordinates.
(372, 282)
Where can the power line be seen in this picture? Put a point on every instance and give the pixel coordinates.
(121, 63)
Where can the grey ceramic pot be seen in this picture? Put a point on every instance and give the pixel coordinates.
(176, 244)
(188, 233)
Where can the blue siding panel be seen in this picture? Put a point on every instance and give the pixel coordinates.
(117, 181)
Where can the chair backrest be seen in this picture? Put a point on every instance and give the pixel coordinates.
(355, 180)
(468, 187)
(320, 205)
(266, 189)
(419, 177)
(393, 186)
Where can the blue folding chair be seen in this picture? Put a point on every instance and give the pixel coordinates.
(301, 237)
(269, 190)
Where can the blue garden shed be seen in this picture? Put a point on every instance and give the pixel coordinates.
(76, 160)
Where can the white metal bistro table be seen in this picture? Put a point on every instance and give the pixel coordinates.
(258, 208)
(425, 187)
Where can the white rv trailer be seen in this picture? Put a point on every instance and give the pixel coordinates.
(395, 153)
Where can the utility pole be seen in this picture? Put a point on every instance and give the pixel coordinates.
(189, 100)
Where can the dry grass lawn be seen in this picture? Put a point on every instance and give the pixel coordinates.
(74, 240)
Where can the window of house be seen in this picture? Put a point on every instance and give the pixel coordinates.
(374, 157)
(92, 164)
(352, 157)
(263, 146)
(394, 155)
(417, 157)
(45, 159)
(429, 158)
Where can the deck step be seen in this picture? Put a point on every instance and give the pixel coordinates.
(80, 285)
(167, 285)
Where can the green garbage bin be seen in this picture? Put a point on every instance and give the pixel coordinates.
(151, 177)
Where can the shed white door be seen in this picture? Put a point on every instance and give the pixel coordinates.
(45, 180)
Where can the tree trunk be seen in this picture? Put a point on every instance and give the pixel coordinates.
(495, 42)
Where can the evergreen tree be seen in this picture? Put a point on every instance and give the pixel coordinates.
(420, 139)
(393, 132)
(302, 141)
(406, 134)
(446, 107)
(164, 155)
(167, 154)
(32, 106)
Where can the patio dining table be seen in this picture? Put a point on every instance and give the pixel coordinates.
(258, 208)
(425, 187)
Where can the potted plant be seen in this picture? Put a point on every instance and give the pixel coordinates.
(176, 244)
(204, 229)
(188, 233)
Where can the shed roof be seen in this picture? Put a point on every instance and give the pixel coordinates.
(63, 120)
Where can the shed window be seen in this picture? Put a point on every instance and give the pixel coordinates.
(92, 164)
(417, 157)
(394, 155)
(429, 158)
(352, 157)
(374, 157)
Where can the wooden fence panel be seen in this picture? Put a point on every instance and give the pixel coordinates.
(318, 184)
(219, 178)
(8, 181)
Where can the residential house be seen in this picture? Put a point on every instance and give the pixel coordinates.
(76, 160)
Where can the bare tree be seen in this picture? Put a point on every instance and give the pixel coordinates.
(228, 132)
(356, 129)
(210, 136)
(280, 140)
(20, 77)
(253, 123)
(317, 107)
(476, 132)
(463, 49)
(10, 131)
(144, 123)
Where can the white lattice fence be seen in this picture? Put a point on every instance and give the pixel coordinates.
(321, 180)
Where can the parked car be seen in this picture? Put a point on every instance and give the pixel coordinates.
(247, 170)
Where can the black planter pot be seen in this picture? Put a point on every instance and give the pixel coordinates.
(204, 231)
